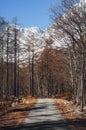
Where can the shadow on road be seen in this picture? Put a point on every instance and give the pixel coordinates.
(46, 125)
(78, 123)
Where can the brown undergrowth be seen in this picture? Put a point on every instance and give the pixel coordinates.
(18, 113)
(71, 112)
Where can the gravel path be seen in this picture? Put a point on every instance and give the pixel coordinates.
(45, 116)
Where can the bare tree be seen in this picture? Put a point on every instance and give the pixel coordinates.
(71, 23)
(3, 24)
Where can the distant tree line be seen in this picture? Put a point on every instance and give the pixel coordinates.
(43, 73)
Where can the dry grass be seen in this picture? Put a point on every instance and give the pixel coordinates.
(71, 113)
(17, 114)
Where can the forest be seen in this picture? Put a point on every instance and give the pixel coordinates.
(40, 68)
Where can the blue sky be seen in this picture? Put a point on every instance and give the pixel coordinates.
(29, 12)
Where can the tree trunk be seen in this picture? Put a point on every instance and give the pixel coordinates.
(33, 75)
